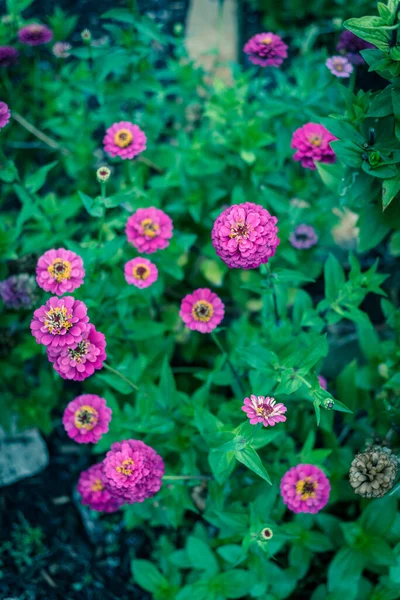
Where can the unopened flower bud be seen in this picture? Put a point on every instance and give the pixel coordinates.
(329, 404)
(266, 533)
(383, 370)
(103, 174)
(86, 35)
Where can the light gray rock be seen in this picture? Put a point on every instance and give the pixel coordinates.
(22, 455)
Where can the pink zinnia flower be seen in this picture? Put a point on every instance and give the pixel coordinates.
(124, 139)
(303, 237)
(94, 495)
(59, 271)
(305, 489)
(81, 360)
(340, 66)
(35, 34)
(5, 114)
(132, 471)
(312, 144)
(140, 272)
(149, 230)
(8, 56)
(60, 322)
(244, 236)
(202, 311)
(86, 419)
(264, 409)
(266, 50)
(323, 382)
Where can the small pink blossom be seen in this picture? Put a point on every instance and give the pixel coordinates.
(264, 409)
(132, 471)
(93, 493)
(59, 271)
(124, 139)
(86, 419)
(202, 310)
(340, 66)
(149, 230)
(266, 50)
(323, 382)
(60, 322)
(312, 142)
(305, 489)
(140, 272)
(5, 114)
(62, 49)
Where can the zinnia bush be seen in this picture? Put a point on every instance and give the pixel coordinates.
(200, 306)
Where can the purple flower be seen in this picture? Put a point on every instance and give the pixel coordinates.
(91, 489)
(266, 50)
(303, 237)
(8, 56)
(18, 291)
(264, 409)
(350, 45)
(87, 418)
(4, 114)
(340, 66)
(312, 142)
(35, 34)
(305, 489)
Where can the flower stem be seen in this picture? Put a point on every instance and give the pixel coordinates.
(103, 189)
(150, 164)
(106, 366)
(226, 357)
(186, 477)
(37, 133)
(266, 270)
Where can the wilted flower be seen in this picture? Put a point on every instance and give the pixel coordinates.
(18, 291)
(244, 236)
(81, 360)
(373, 472)
(140, 272)
(86, 419)
(350, 44)
(266, 50)
(340, 66)
(202, 310)
(124, 139)
(35, 34)
(303, 237)
(149, 230)
(103, 174)
(5, 114)
(132, 471)
(59, 271)
(93, 493)
(8, 56)
(305, 489)
(312, 144)
(60, 322)
(264, 409)
(62, 49)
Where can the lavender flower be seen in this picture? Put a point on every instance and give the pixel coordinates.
(19, 291)
(303, 237)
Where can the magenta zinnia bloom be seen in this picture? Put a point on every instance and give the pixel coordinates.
(8, 56)
(305, 489)
(140, 272)
(132, 471)
(149, 230)
(350, 45)
(303, 237)
(4, 114)
(340, 66)
(86, 419)
(81, 360)
(323, 382)
(264, 409)
(202, 311)
(35, 34)
(94, 495)
(59, 271)
(312, 144)
(124, 139)
(266, 50)
(61, 322)
(244, 236)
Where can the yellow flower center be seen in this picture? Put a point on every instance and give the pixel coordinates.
(315, 140)
(266, 40)
(97, 486)
(338, 66)
(78, 353)
(123, 138)
(60, 269)
(141, 272)
(240, 230)
(150, 229)
(126, 467)
(202, 311)
(57, 320)
(306, 488)
(86, 417)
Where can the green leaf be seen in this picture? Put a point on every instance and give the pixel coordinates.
(167, 386)
(390, 189)
(201, 556)
(120, 14)
(379, 516)
(344, 572)
(92, 205)
(249, 457)
(236, 583)
(331, 175)
(222, 463)
(147, 576)
(34, 182)
(371, 29)
(334, 278)
(289, 276)
(372, 227)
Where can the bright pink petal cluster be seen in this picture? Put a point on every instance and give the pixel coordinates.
(312, 142)
(305, 489)
(124, 139)
(140, 272)
(264, 409)
(132, 471)
(202, 310)
(5, 114)
(90, 487)
(61, 322)
(81, 360)
(59, 271)
(149, 230)
(245, 236)
(266, 50)
(86, 419)
(323, 382)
